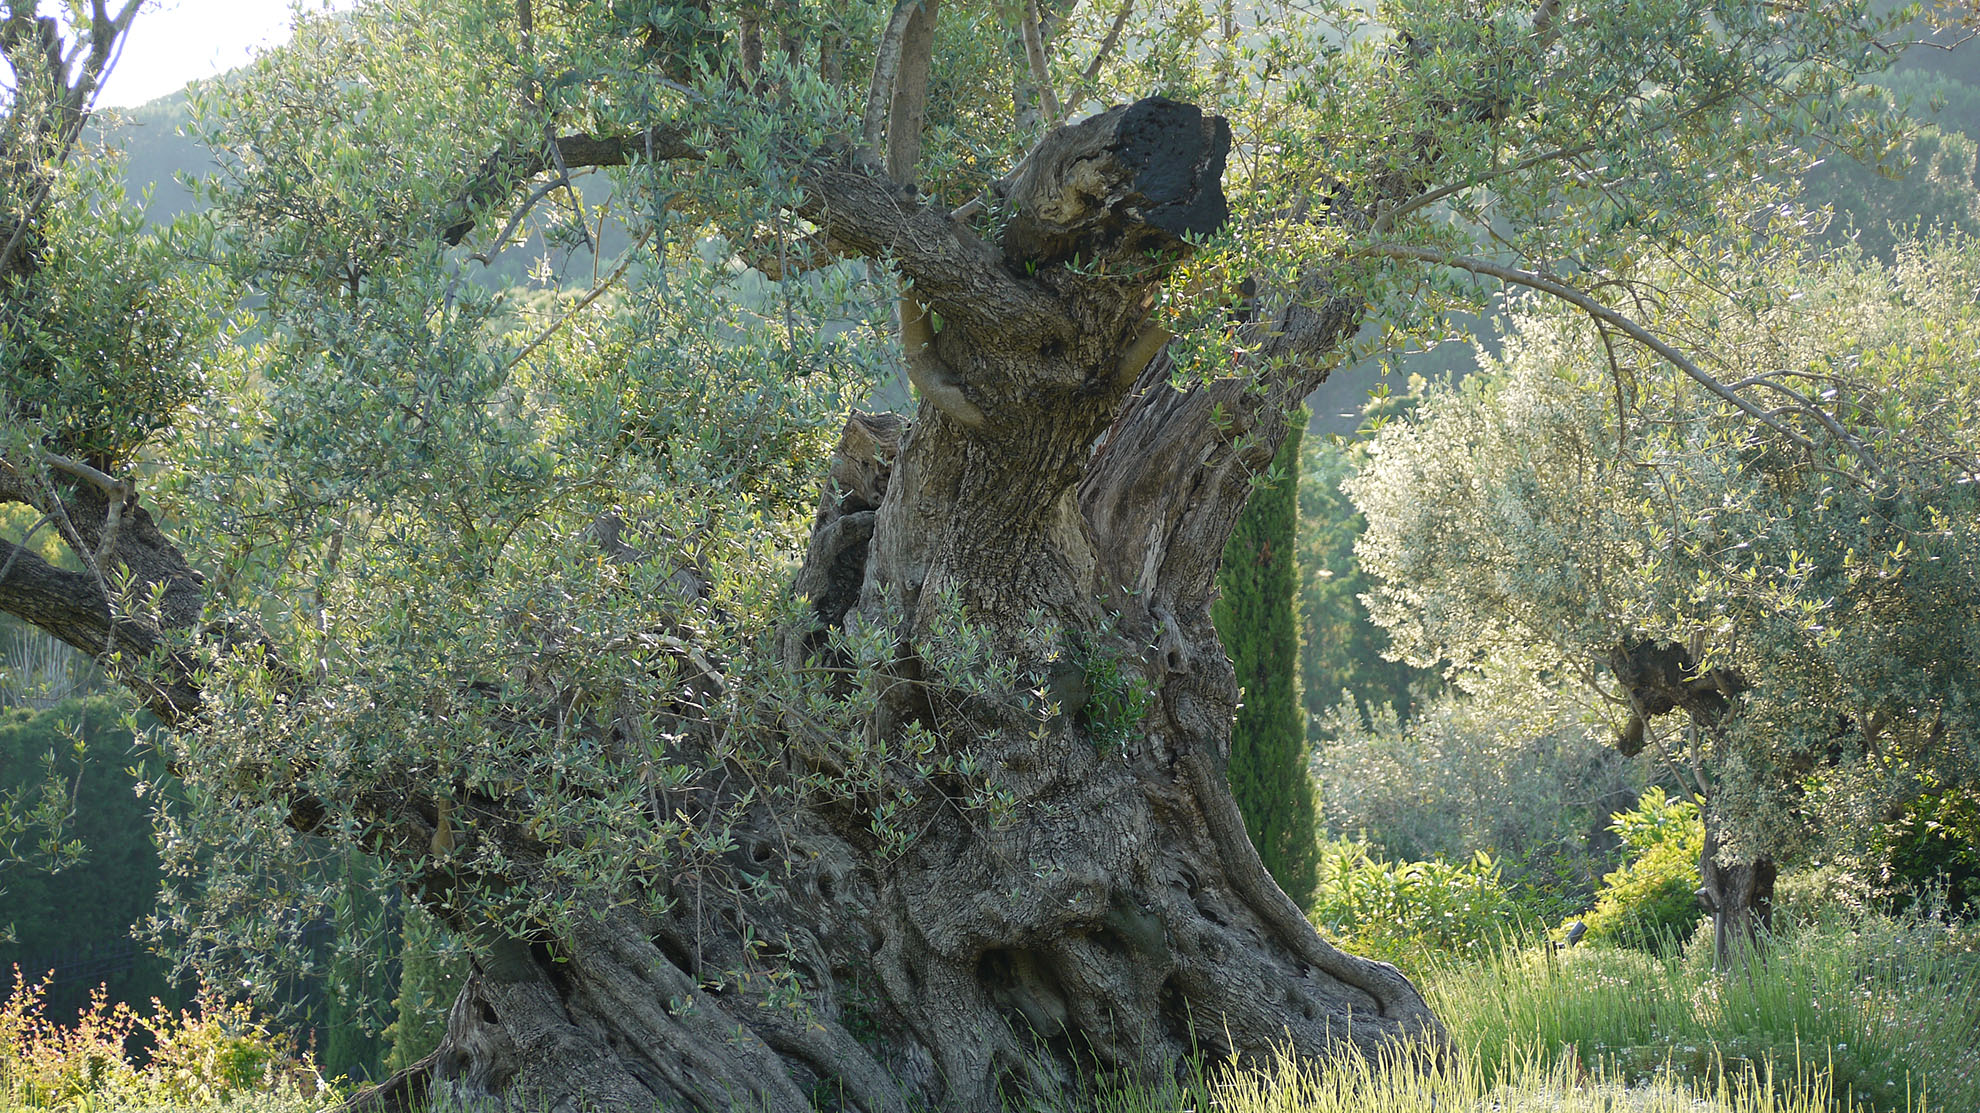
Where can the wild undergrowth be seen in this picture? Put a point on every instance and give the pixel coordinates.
(1884, 1011)
(1864, 1015)
(1526, 1082)
(113, 1059)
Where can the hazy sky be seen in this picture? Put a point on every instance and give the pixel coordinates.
(175, 41)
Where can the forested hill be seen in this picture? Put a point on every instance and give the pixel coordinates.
(158, 152)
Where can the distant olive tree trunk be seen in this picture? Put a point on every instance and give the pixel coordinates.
(1661, 677)
(1739, 896)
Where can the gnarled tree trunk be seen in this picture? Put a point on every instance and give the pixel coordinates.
(1739, 896)
(1661, 677)
(1071, 504)
(1109, 920)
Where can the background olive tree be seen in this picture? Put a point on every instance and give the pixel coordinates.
(1582, 510)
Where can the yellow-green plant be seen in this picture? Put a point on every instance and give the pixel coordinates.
(209, 1055)
(1651, 900)
(1413, 914)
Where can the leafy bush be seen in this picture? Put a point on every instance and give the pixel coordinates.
(1411, 913)
(1651, 902)
(1533, 788)
(203, 1057)
(1935, 849)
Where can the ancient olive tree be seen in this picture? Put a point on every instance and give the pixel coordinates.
(1794, 581)
(909, 791)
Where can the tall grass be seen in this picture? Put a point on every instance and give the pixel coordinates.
(1521, 1083)
(1889, 1013)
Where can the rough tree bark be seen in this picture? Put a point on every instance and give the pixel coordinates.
(1739, 896)
(1119, 923)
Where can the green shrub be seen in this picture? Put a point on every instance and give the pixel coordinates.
(1412, 913)
(1535, 789)
(1935, 851)
(215, 1055)
(1651, 902)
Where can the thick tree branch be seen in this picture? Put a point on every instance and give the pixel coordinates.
(103, 481)
(913, 56)
(908, 103)
(504, 170)
(71, 607)
(948, 265)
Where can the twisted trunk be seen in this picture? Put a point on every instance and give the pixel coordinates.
(1064, 499)
(1661, 677)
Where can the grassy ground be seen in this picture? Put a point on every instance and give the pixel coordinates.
(1886, 1014)
(1871, 1016)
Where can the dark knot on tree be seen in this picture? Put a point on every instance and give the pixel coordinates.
(1660, 677)
(1131, 182)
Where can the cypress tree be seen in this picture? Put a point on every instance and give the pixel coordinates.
(428, 983)
(1255, 616)
(357, 993)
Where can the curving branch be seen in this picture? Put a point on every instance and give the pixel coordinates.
(1035, 57)
(1546, 284)
(1101, 54)
(950, 267)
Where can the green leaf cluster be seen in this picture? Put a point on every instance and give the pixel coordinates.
(107, 338)
(1413, 914)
